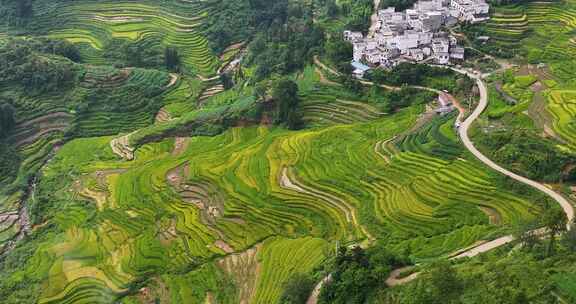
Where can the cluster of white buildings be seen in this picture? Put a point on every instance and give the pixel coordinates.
(415, 34)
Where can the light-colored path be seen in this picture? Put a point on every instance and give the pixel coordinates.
(313, 299)
(374, 19)
(484, 247)
(463, 133)
(393, 279)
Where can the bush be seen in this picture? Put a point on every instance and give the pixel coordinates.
(297, 289)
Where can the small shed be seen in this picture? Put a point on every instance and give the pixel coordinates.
(359, 69)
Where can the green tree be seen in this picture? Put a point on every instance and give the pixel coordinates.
(227, 81)
(7, 120)
(285, 94)
(446, 286)
(24, 9)
(526, 234)
(331, 8)
(569, 238)
(339, 51)
(172, 59)
(554, 220)
(297, 289)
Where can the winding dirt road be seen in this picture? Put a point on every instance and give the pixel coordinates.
(463, 133)
(463, 128)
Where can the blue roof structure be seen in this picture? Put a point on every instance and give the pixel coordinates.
(360, 66)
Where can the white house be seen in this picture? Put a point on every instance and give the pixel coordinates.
(360, 69)
(442, 58)
(415, 34)
(359, 49)
(470, 10)
(373, 56)
(457, 52)
(353, 36)
(445, 103)
(440, 45)
(416, 54)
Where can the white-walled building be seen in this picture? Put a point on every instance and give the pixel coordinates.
(415, 34)
(470, 10)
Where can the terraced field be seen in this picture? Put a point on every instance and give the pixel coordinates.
(562, 106)
(95, 25)
(281, 195)
(559, 53)
(231, 218)
(508, 26)
(544, 31)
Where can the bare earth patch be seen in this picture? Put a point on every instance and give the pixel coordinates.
(244, 269)
(493, 215)
(173, 79)
(121, 147)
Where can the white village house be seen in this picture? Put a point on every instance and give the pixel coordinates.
(415, 34)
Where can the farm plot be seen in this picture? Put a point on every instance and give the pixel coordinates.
(562, 106)
(229, 192)
(93, 26)
(508, 27)
(547, 37)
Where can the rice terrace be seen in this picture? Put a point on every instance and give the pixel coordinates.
(287, 151)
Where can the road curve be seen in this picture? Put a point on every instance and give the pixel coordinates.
(463, 133)
(465, 139)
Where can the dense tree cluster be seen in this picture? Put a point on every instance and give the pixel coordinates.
(238, 20)
(9, 159)
(357, 273)
(172, 59)
(339, 52)
(286, 45)
(16, 11)
(7, 120)
(530, 155)
(359, 12)
(142, 54)
(400, 5)
(297, 289)
(285, 95)
(408, 73)
(354, 14)
(32, 64)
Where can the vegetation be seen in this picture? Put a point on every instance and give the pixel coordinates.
(285, 45)
(285, 93)
(297, 289)
(422, 75)
(529, 155)
(356, 274)
(526, 275)
(197, 152)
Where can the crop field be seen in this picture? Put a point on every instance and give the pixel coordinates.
(127, 100)
(508, 27)
(260, 201)
(559, 53)
(95, 25)
(562, 106)
(544, 32)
